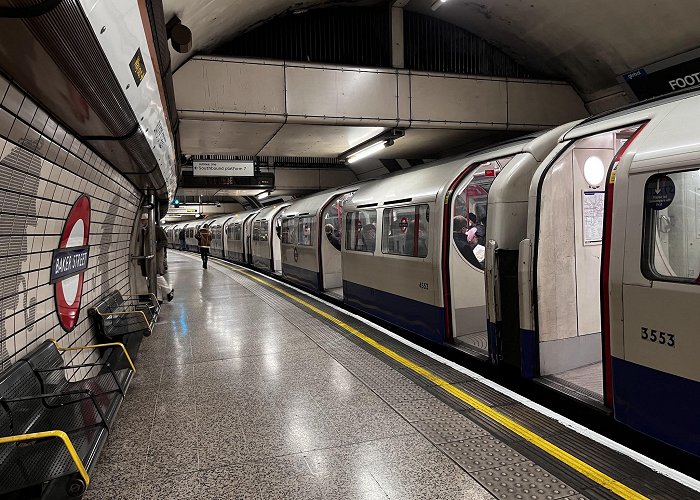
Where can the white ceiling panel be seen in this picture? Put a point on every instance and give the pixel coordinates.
(203, 137)
(317, 140)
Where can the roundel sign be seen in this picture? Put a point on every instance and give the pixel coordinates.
(403, 224)
(69, 261)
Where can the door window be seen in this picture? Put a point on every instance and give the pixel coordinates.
(332, 217)
(256, 230)
(306, 231)
(672, 227)
(289, 231)
(264, 230)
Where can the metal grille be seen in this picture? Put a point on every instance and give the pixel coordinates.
(435, 45)
(352, 36)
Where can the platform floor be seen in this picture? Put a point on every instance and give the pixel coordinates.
(244, 393)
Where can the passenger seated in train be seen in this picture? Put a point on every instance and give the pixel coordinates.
(369, 237)
(307, 235)
(473, 240)
(459, 228)
(332, 237)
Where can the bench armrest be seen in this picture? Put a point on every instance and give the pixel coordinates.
(149, 324)
(53, 434)
(97, 346)
(74, 367)
(152, 297)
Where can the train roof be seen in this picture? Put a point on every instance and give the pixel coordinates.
(271, 210)
(240, 216)
(635, 113)
(422, 184)
(313, 203)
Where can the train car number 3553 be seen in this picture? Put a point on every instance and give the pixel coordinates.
(662, 338)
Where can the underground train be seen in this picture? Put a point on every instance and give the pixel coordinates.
(571, 257)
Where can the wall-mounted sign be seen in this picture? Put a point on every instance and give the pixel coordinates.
(219, 168)
(678, 73)
(138, 68)
(69, 261)
(184, 210)
(593, 210)
(660, 192)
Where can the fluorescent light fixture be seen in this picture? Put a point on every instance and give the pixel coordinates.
(263, 195)
(368, 151)
(437, 3)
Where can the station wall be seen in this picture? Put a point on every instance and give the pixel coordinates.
(43, 171)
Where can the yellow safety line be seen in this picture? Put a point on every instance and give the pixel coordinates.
(56, 434)
(95, 346)
(575, 463)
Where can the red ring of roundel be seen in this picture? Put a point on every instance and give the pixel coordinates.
(68, 314)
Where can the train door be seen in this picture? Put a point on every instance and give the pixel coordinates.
(467, 247)
(276, 241)
(566, 349)
(656, 343)
(248, 243)
(331, 219)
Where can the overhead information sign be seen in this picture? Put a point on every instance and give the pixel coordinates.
(223, 168)
(679, 73)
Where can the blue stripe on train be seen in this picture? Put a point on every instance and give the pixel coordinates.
(529, 354)
(661, 405)
(301, 276)
(418, 317)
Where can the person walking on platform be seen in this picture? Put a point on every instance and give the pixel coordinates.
(203, 237)
(161, 244)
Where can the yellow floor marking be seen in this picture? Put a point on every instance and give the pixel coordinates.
(553, 450)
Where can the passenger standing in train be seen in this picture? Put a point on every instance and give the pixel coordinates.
(369, 236)
(481, 231)
(459, 228)
(181, 237)
(161, 244)
(330, 234)
(203, 237)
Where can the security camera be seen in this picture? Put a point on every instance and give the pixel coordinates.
(218, 204)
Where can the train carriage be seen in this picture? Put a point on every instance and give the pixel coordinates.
(266, 242)
(310, 240)
(424, 269)
(236, 231)
(613, 262)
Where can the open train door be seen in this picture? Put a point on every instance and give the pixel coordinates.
(653, 278)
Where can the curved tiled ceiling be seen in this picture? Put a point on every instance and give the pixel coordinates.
(587, 43)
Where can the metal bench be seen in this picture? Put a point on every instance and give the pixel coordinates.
(116, 316)
(51, 429)
(109, 386)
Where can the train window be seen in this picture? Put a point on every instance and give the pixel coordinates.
(332, 217)
(405, 231)
(672, 227)
(289, 231)
(256, 230)
(305, 230)
(471, 200)
(361, 230)
(237, 231)
(263, 230)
